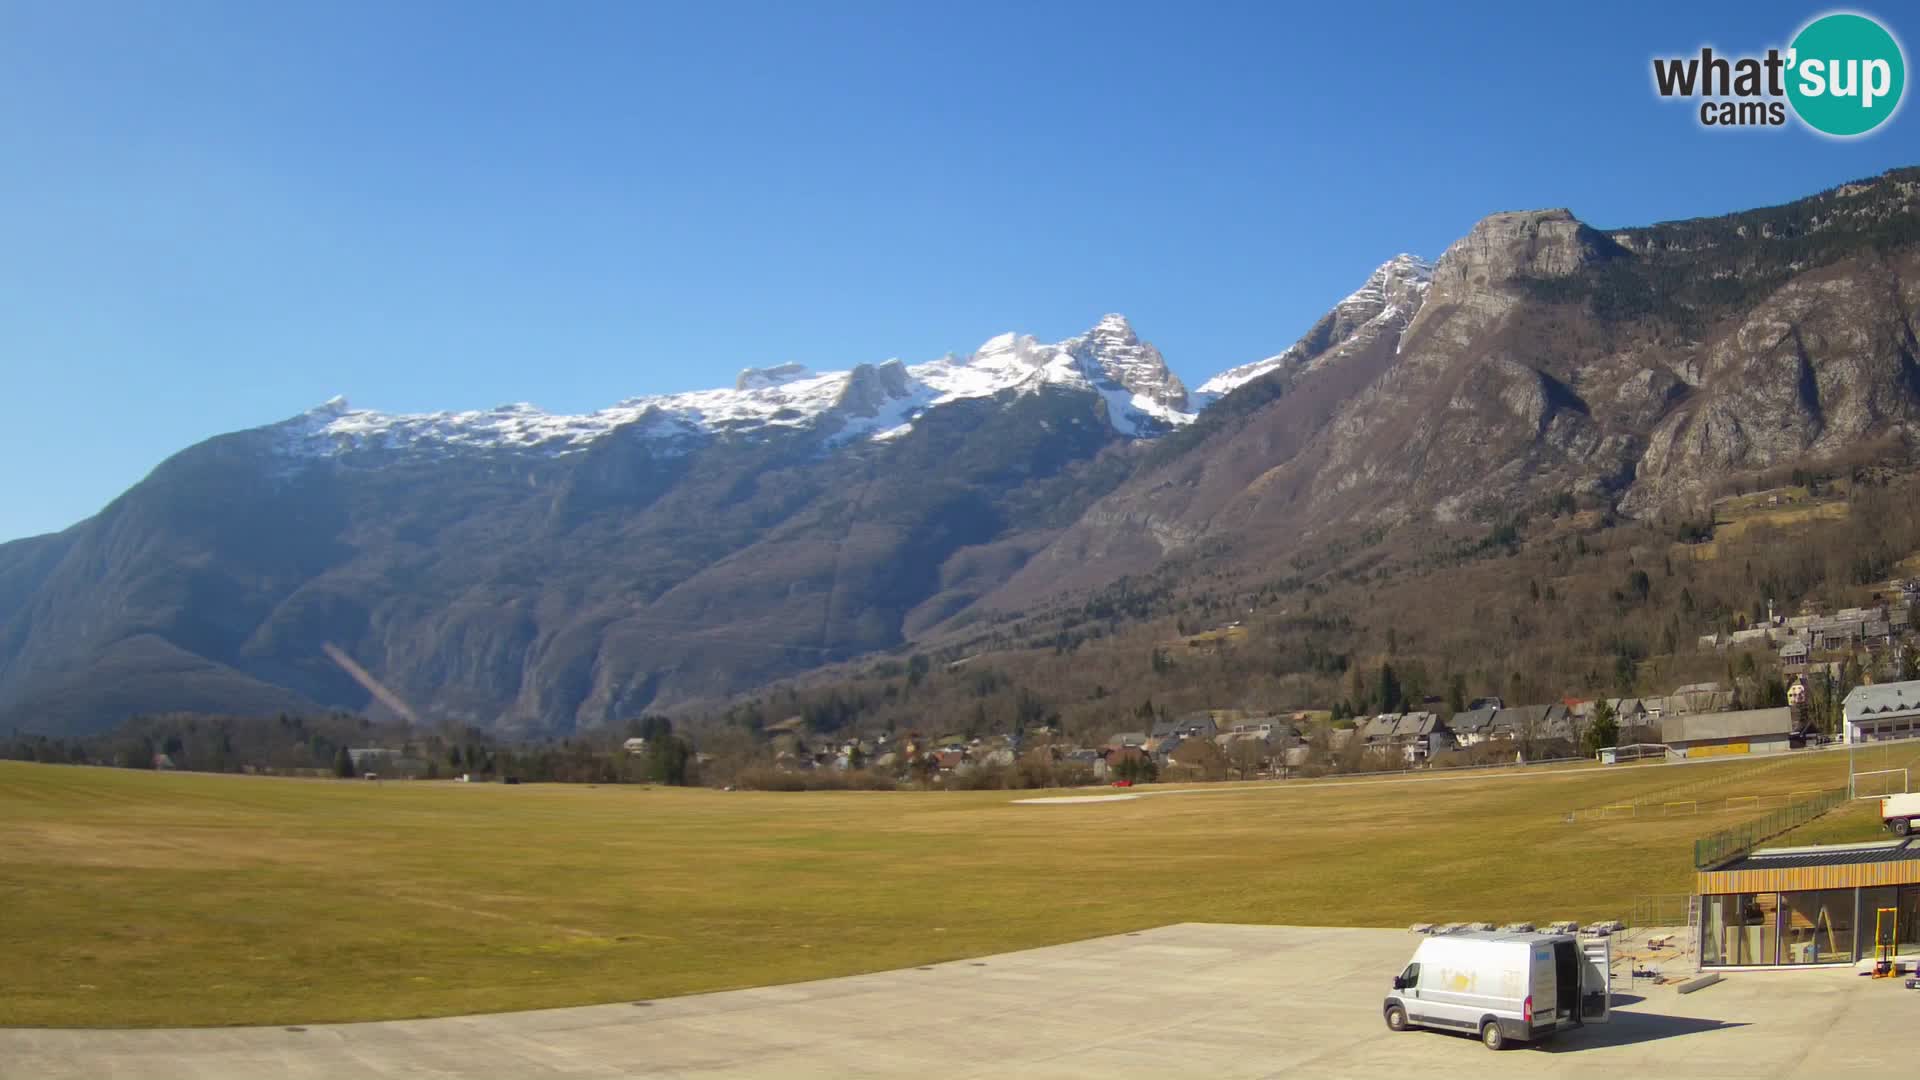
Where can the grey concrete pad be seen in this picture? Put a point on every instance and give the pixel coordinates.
(1188, 1000)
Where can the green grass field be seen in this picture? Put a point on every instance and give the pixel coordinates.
(134, 899)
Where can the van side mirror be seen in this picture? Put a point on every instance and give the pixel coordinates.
(1399, 982)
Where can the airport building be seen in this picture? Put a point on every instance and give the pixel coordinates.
(1809, 906)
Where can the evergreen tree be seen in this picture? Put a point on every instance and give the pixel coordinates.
(1604, 729)
(343, 764)
(1389, 694)
(667, 760)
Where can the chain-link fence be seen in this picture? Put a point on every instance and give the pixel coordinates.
(1728, 843)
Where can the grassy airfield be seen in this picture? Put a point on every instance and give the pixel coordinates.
(143, 899)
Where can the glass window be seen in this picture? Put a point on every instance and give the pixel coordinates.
(1740, 930)
(1818, 927)
(1903, 925)
(1713, 930)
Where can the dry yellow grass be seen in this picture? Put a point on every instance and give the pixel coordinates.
(1732, 523)
(135, 898)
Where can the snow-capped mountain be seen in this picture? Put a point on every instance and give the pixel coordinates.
(872, 401)
(1388, 300)
(529, 571)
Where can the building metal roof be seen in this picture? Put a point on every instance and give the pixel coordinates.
(1473, 719)
(1747, 723)
(1827, 855)
(1848, 866)
(1867, 702)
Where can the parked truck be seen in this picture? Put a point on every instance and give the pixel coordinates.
(1901, 813)
(1503, 987)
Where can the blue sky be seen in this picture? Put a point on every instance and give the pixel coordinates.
(220, 214)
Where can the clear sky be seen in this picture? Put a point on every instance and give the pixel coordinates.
(216, 215)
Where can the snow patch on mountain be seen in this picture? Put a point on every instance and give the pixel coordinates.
(871, 401)
(1386, 301)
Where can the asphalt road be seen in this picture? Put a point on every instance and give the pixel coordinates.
(1186, 1000)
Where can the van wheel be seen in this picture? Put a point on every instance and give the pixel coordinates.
(1396, 1018)
(1491, 1035)
(1902, 826)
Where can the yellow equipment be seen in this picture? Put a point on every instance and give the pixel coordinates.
(1886, 923)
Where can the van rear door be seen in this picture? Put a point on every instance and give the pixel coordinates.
(1542, 990)
(1596, 979)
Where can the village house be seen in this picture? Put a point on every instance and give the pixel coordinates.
(1474, 726)
(1116, 756)
(1794, 654)
(1414, 736)
(1697, 698)
(1092, 760)
(1377, 732)
(1539, 729)
(1198, 757)
(1160, 745)
(1836, 634)
(1193, 725)
(1421, 735)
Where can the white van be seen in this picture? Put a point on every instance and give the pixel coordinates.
(1503, 987)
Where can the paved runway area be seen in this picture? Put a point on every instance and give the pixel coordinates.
(1187, 1000)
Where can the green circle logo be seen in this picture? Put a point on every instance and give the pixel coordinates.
(1845, 74)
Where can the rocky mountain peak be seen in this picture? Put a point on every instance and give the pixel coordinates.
(768, 377)
(1520, 243)
(1114, 327)
(869, 388)
(1384, 303)
(1112, 350)
(1472, 285)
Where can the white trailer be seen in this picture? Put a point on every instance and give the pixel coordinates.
(1901, 813)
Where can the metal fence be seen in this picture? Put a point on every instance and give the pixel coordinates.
(1661, 909)
(1728, 843)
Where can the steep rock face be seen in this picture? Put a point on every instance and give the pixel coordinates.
(1546, 357)
(1383, 306)
(1111, 349)
(1473, 281)
(1820, 366)
(870, 389)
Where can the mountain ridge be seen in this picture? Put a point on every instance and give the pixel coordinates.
(517, 569)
